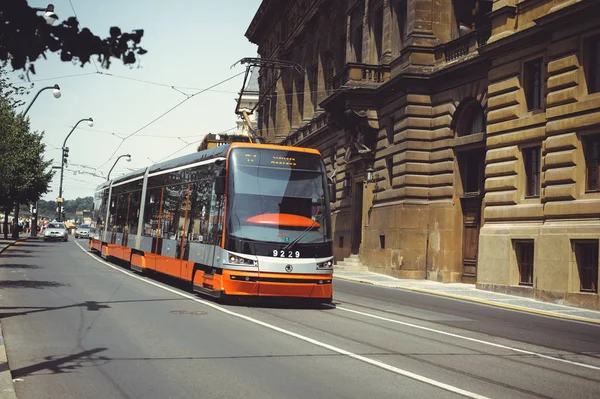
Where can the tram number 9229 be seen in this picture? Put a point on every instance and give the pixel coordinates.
(282, 254)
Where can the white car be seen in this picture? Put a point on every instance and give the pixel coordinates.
(56, 231)
(83, 231)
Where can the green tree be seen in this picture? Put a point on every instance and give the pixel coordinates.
(24, 174)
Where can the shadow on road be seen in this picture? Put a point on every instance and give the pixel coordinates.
(18, 266)
(64, 364)
(15, 254)
(36, 284)
(91, 306)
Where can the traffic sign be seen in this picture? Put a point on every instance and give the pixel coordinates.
(59, 199)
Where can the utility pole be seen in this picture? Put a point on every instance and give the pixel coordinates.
(65, 155)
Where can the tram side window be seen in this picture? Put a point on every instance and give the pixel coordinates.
(114, 206)
(215, 225)
(165, 206)
(200, 201)
(121, 214)
(172, 211)
(152, 212)
(130, 200)
(100, 200)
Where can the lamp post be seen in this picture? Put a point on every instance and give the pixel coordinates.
(115, 164)
(63, 160)
(56, 92)
(49, 14)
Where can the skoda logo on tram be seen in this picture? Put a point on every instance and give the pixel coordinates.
(289, 268)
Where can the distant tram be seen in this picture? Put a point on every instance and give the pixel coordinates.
(240, 219)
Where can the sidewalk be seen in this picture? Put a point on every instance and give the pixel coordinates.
(468, 292)
(7, 390)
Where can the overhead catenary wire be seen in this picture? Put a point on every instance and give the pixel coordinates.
(187, 145)
(169, 111)
(76, 16)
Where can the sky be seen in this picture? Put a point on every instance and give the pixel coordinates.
(192, 45)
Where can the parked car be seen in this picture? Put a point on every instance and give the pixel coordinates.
(56, 231)
(83, 231)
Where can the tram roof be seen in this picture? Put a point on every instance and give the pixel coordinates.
(220, 151)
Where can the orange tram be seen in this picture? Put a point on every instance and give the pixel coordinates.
(240, 219)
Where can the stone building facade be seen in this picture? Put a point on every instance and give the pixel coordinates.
(463, 135)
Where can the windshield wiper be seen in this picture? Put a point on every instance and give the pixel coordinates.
(313, 224)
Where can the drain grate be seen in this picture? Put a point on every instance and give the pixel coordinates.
(190, 312)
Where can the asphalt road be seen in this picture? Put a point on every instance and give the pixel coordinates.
(77, 327)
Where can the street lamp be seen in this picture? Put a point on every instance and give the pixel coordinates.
(65, 154)
(55, 92)
(121, 156)
(49, 14)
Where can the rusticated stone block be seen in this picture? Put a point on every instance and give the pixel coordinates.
(501, 198)
(441, 192)
(502, 183)
(560, 97)
(558, 192)
(441, 167)
(441, 179)
(505, 78)
(514, 212)
(563, 80)
(591, 104)
(502, 154)
(525, 122)
(516, 137)
(417, 192)
(503, 114)
(572, 123)
(503, 100)
(390, 194)
(562, 142)
(561, 209)
(564, 64)
(559, 175)
(501, 169)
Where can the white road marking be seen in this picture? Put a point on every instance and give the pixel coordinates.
(332, 348)
(469, 338)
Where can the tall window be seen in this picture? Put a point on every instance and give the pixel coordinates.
(356, 33)
(586, 255)
(525, 252)
(314, 85)
(591, 147)
(401, 18)
(593, 64)
(300, 95)
(377, 27)
(534, 86)
(357, 43)
(531, 160)
(473, 167)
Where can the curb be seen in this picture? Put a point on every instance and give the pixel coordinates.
(7, 389)
(481, 301)
(356, 280)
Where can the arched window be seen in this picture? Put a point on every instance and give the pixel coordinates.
(471, 119)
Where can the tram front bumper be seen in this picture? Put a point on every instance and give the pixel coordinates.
(278, 285)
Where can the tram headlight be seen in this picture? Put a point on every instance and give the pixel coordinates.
(238, 260)
(328, 264)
